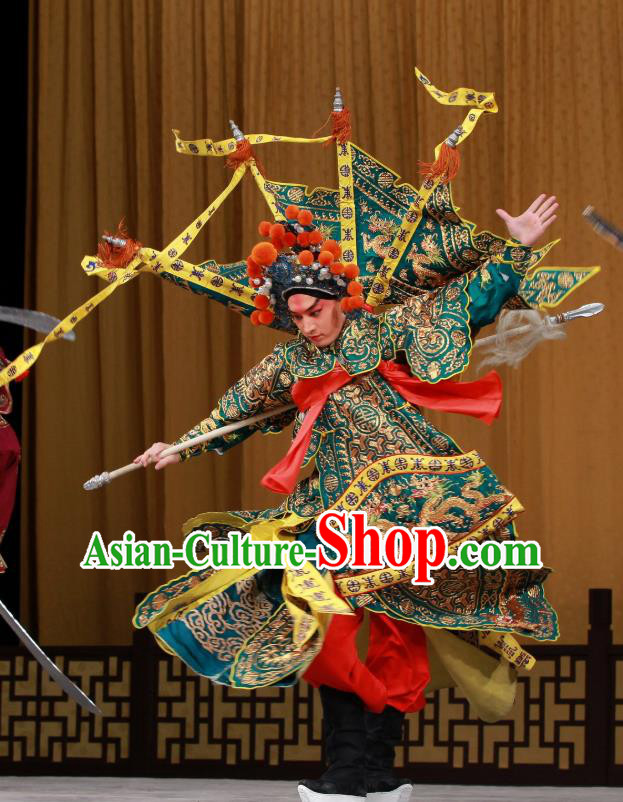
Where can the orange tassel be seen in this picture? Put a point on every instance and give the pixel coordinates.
(113, 256)
(324, 125)
(445, 167)
(341, 130)
(243, 153)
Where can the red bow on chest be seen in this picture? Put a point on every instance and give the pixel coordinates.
(480, 399)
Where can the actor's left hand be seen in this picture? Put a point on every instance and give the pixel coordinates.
(530, 226)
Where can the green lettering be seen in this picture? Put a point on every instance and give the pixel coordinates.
(189, 548)
(142, 555)
(128, 538)
(162, 554)
(95, 551)
(297, 554)
(115, 552)
(220, 553)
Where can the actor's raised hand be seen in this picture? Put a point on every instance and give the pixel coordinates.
(530, 226)
(152, 455)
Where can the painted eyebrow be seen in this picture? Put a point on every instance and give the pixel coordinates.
(309, 308)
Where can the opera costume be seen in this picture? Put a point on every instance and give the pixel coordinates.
(373, 242)
(373, 450)
(9, 460)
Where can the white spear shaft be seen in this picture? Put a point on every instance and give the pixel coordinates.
(105, 478)
(101, 479)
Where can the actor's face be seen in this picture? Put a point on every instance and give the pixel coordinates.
(318, 319)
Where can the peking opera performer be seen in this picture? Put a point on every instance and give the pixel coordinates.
(362, 383)
(356, 380)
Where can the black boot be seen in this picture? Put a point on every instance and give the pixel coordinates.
(383, 734)
(345, 739)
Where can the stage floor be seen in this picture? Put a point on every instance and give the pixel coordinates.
(137, 789)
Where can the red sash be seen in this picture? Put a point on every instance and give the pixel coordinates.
(480, 399)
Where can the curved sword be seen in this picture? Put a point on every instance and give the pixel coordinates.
(31, 319)
(73, 691)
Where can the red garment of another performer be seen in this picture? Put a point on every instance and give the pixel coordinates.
(9, 461)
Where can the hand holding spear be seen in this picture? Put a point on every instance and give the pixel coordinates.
(164, 454)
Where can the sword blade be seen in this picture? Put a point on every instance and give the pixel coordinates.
(72, 690)
(30, 319)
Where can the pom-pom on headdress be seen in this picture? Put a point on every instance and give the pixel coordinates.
(296, 258)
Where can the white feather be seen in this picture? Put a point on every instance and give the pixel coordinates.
(517, 333)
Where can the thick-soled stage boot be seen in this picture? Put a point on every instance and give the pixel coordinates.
(383, 734)
(345, 741)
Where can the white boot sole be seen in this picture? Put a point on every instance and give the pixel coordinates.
(307, 795)
(401, 794)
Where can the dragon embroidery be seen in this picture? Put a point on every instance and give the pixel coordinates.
(386, 229)
(438, 505)
(431, 256)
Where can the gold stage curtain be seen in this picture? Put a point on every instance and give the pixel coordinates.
(111, 78)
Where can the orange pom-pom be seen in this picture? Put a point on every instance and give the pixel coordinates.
(278, 243)
(277, 231)
(305, 217)
(292, 212)
(264, 228)
(356, 302)
(264, 253)
(255, 318)
(332, 245)
(266, 317)
(303, 239)
(261, 301)
(253, 269)
(325, 257)
(344, 303)
(306, 257)
(351, 271)
(315, 237)
(354, 288)
(336, 268)
(289, 239)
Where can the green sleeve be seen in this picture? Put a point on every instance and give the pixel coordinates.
(435, 329)
(492, 284)
(265, 386)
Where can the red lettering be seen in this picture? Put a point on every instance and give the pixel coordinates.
(332, 538)
(424, 561)
(362, 533)
(392, 537)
